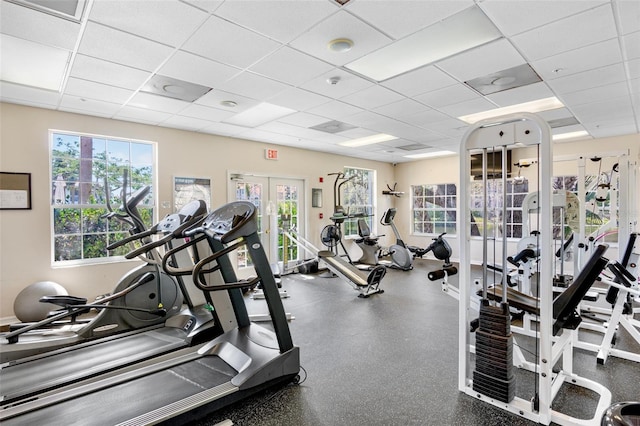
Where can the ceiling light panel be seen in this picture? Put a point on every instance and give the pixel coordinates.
(535, 106)
(455, 34)
(581, 134)
(32, 25)
(408, 16)
(119, 47)
(229, 44)
(340, 25)
(368, 140)
(157, 103)
(588, 27)
(150, 19)
(32, 64)
(67, 9)
(25, 95)
(431, 154)
(260, 114)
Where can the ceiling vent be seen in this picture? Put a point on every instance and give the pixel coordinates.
(510, 78)
(413, 147)
(67, 9)
(333, 126)
(563, 122)
(174, 88)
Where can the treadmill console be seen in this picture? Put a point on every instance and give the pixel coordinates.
(231, 221)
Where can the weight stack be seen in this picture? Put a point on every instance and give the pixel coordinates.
(493, 375)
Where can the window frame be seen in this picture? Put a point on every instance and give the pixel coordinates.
(450, 226)
(350, 226)
(151, 201)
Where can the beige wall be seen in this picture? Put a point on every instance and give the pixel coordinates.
(25, 242)
(446, 170)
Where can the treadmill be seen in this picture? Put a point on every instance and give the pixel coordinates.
(184, 383)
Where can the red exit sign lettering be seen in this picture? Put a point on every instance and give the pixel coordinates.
(271, 154)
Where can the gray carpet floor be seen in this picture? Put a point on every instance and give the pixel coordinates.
(392, 359)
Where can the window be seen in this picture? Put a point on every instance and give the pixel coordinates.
(434, 208)
(79, 165)
(357, 198)
(516, 192)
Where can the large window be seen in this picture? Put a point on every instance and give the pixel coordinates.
(597, 205)
(357, 198)
(516, 191)
(434, 208)
(79, 165)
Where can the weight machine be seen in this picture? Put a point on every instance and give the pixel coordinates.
(486, 358)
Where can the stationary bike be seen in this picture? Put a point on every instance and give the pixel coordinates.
(401, 257)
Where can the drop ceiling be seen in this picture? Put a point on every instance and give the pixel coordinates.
(268, 74)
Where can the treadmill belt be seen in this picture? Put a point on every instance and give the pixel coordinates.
(66, 367)
(131, 399)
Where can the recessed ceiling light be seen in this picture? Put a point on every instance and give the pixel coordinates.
(545, 104)
(340, 45)
(460, 32)
(430, 154)
(368, 140)
(581, 134)
(259, 114)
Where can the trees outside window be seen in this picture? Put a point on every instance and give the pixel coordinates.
(79, 165)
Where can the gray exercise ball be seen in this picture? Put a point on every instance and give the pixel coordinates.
(27, 306)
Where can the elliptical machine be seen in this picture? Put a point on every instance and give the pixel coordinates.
(401, 256)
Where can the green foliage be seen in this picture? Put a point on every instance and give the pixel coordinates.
(68, 247)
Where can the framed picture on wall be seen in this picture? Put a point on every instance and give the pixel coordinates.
(186, 189)
(15, 191)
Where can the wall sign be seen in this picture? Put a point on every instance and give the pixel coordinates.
(15, 191)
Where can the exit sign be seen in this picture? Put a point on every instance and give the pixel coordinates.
(271, 154)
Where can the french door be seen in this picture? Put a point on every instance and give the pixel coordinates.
(277, 200)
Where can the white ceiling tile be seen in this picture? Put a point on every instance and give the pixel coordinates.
(588, 27)
(631, 44)
(223, 129)
(167, 22)
(207, 5)
(29, 24)
(468, 107)
(588, 79)
(615, 90)
(206, 113)
(290, 66)
(79, 104)
(346, 84)
(185, 123)
(424, 118)
(420, 81)
(215, 99)
(451, 127)
(340, 25)
(583, 59)
(303, 119)
(513, 17)
(372, 97)
(518, 95)
(298, 99)
(629, 15)
(32, 64)
(122, 48)
(196, 69)
(611, 109)
(228, 43)
(335, 110)
(555, 114)
(402, 108)
(487, 59)
(253, 86)
(280, 20)
(157, 103)
(400, 18)
(634, 68)
(97, 91)
(16, 93)
(88, 68)
(447, 96)
(141, 115)
(609, 130)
